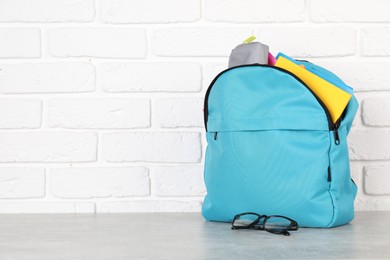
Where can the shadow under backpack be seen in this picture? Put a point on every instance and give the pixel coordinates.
(273, 149)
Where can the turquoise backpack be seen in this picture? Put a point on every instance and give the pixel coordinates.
(274, 150)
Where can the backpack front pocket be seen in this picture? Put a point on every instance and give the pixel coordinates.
(280, 172)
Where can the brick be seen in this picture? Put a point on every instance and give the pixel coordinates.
(151, 77)
(47, 147)
(139, 11)
(97, 42)
(20, 42)
(47, 11)
(59, 77)
(150, 206)
(178, 112)
(375, 111)
(179, 181)
(152, 147)
(47, 207)
(87, 183)
(20, 113)
(375, 41)
(310, 42)
(22, 183)
(254, 11)
(370, 144)
(361, 75)
(377, 179)
(345, 11)
(197, 41)
(99, 113)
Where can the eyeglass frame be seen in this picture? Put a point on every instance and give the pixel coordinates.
(292, 227)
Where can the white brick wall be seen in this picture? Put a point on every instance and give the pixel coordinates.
(152, 147)
(303, 41)
(179, 181)
(377, 180)
(101, 100)
(61, 77)
(363, 75)
(197, 41)
(97, 42)
(99, 113)
(345, 11)
(151, 77)
(252, 11)
(369, 144)
(22, 183)
(178, 112)
(167, 11)
(376, 41)
(89, 183)
(375, 111)
(20, 43)
(45, 146)
(27, 115)
(47, 11)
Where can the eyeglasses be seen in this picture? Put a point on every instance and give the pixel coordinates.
(274, 224)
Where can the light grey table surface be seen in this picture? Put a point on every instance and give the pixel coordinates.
(183, 236)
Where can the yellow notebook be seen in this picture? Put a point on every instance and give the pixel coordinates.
(334, 98)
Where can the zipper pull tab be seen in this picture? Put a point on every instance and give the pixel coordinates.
(215, 135)
(336, 136)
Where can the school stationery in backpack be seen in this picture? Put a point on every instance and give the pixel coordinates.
(275, 148)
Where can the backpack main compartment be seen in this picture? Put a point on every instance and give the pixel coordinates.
(273, 149)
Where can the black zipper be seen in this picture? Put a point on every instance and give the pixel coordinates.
(332, 126)
(329, 175)
(336, 131)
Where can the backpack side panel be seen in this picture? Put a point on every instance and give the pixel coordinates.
(343, 190)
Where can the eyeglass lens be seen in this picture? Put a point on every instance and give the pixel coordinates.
(277, 224)
(245, 220)
(273, 224)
